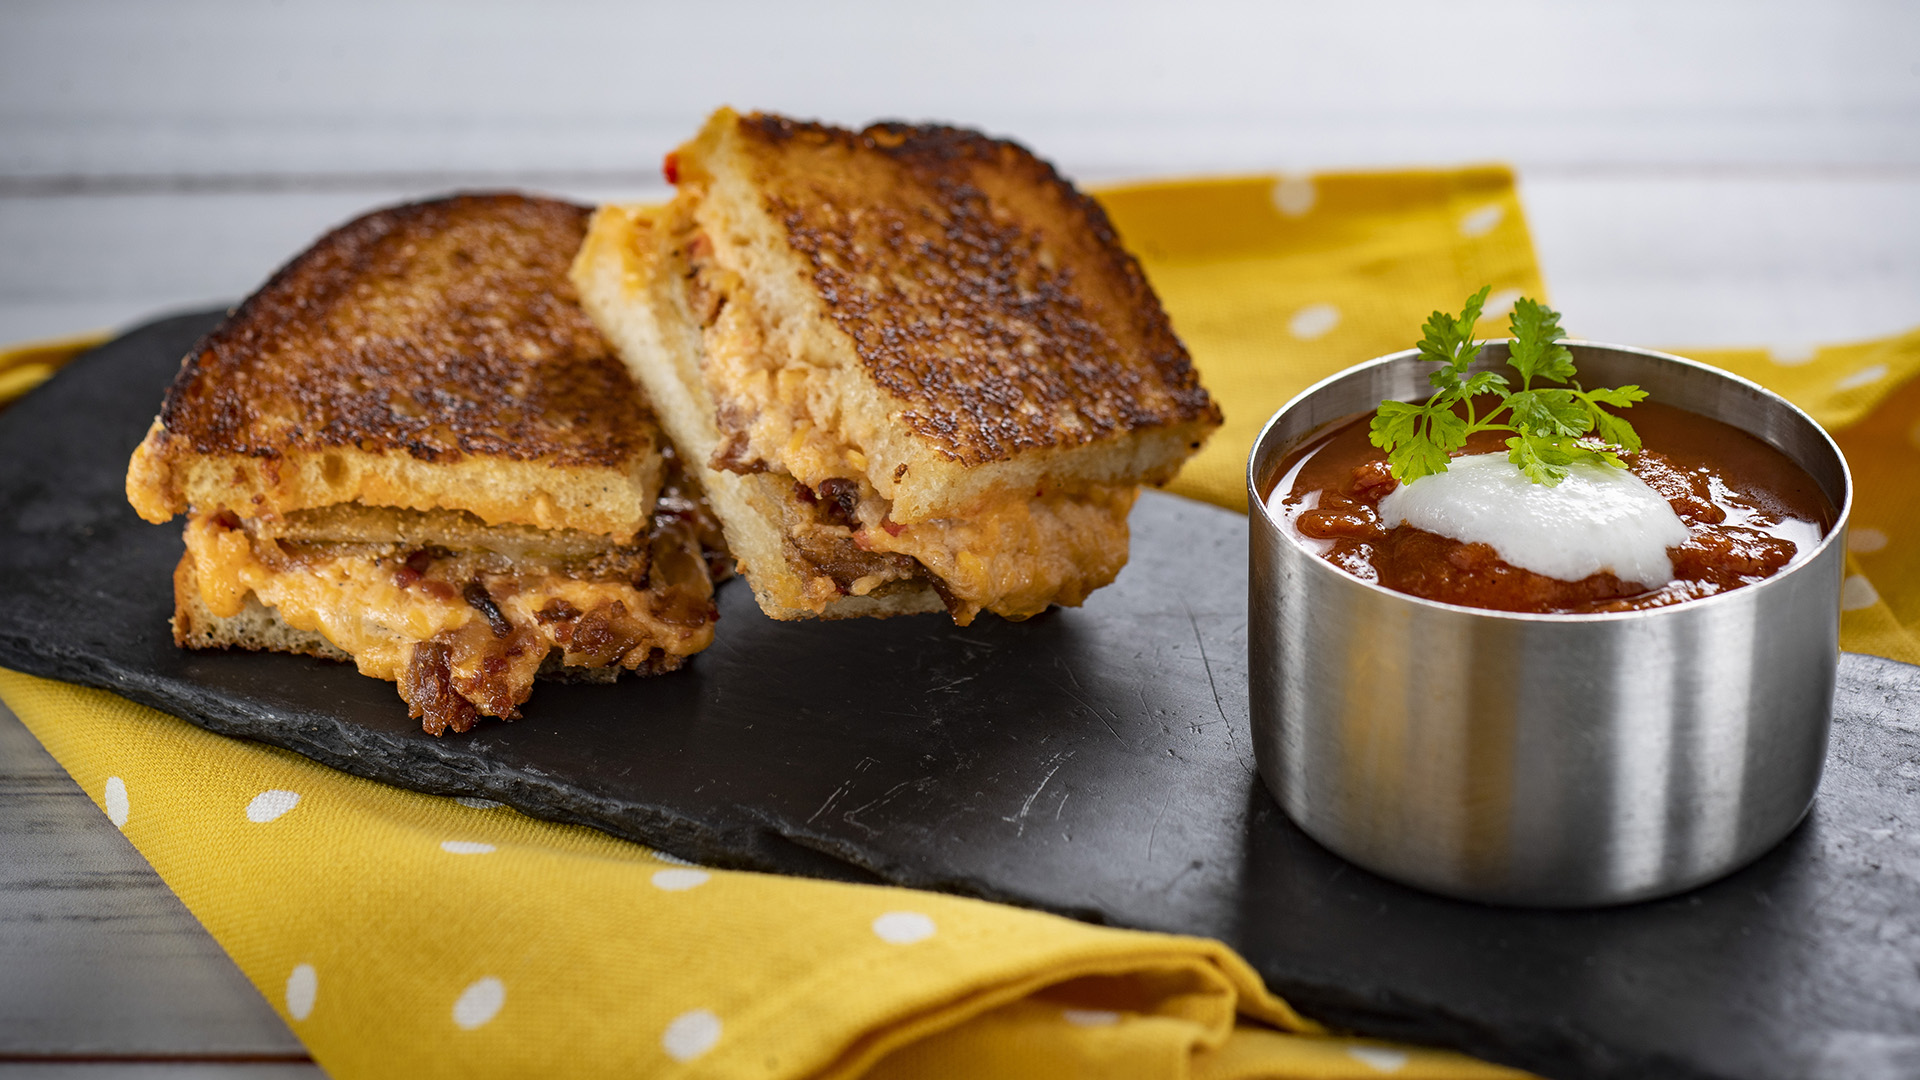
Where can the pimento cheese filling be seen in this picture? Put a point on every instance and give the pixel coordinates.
(1012, 554)
(464, 633)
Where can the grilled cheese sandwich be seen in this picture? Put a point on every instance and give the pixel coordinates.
(412, 449)
(912, 366)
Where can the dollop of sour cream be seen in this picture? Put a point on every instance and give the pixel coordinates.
(1598, 518)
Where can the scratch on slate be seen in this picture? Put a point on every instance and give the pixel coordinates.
(885, 797)
(1062, 664)
(1211, 684)
(1097, 714)
(1062, 806)
(831, 799)
(1020, 818)
(1155, 831)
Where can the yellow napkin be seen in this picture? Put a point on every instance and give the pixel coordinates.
(404, 934)
(414, 935)
(1867, 395)
(1275, 285)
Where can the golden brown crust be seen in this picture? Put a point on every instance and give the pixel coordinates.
(914, 364)
(430, 356)
(637, 293)
(984, 293)
(441, 329)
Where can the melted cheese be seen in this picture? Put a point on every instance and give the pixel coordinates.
(352, 602)
(767, 400)
(357, 603)
(1015, 554)
(1012, 554)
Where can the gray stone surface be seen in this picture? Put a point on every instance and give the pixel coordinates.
(1092, 762)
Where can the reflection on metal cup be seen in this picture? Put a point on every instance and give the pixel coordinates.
(1551, 760)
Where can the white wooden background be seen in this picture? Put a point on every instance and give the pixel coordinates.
(1695, 173)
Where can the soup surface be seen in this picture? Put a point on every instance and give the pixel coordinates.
(1749, 512)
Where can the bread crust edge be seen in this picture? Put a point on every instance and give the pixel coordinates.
(639, 306)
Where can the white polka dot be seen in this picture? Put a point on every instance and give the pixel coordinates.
(465, 847)
(903, 927)
(1379, 1058)
(1294, 195)
(116, 799)
(1857, 592)
(477, 803)
(479, 1003)
(1090, 1017)
(1792, 355)
(679, 880)
(302, 986)
(1482, 221)
(1864, 377)
(271, 804)
(1866, 541)
(674, 859)
(690, 1035)
(1313, 321)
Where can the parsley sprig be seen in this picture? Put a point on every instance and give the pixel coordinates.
(1553, 426)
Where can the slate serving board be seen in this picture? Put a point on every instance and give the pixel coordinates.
(1092, 762)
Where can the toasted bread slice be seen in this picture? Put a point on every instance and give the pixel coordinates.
(972, 322)
(919, 360)
(429, 356)
(635, 286)
(352, 523)
(412, 450)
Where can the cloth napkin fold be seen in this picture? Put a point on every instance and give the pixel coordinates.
(1275, 284)
(411, 935)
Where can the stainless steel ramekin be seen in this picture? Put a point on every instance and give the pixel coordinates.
(1550, 760)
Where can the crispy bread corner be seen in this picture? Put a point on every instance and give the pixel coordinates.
(976, 322)
(426, 356)
(629, 283)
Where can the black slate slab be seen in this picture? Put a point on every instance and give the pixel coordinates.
(1092, 762)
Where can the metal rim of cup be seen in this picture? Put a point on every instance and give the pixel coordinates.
(1298, 744)
(1261, 453)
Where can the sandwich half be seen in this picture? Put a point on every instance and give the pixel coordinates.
(411, 449)
(912, 366)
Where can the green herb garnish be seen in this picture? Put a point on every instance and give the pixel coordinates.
(1553, 427)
